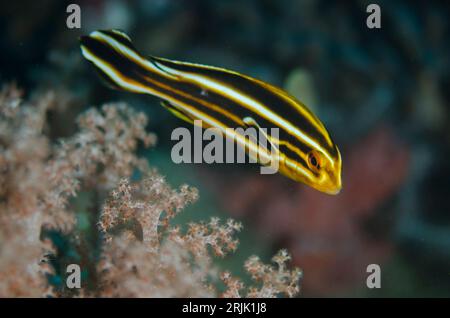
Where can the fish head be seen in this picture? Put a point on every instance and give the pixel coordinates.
(317, 169)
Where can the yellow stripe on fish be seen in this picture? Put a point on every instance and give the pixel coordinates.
(224, 99)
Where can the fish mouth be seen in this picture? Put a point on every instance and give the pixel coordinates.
(332, 187)
(333, 191)
(328, 189)
(336, 186)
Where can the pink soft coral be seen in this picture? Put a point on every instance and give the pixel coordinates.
(143, 255)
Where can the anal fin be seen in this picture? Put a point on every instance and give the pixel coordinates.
(177, 112)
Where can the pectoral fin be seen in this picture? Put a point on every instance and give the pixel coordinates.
(250, 122)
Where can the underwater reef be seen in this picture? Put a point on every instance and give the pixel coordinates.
(129, 247)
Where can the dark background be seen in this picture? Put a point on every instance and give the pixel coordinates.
(382, 93)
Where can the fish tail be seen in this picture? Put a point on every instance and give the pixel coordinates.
(119, 63)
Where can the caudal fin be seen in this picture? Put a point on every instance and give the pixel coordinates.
(118, 62)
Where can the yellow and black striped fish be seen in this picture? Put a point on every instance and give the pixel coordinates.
(223, 99)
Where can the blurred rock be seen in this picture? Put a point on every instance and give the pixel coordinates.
(429, 110)
(300, 85)
(327, 234)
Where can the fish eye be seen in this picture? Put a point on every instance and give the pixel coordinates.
(314, 161)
